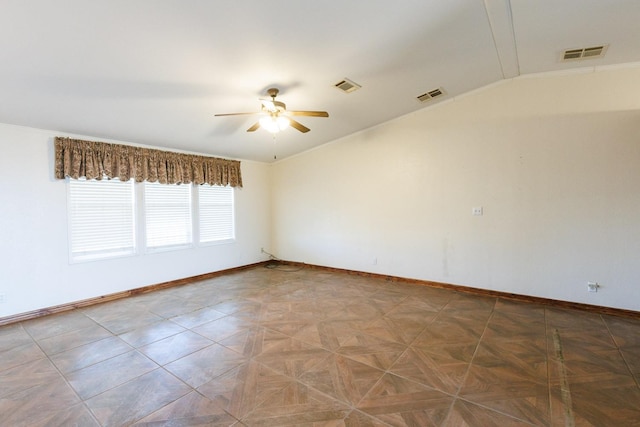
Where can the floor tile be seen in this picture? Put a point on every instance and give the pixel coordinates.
(509, 393)
(12, 336)
(56, 324)
(18, 355)
(191, 410)
(222, 328)
(298, 405)
(105, 375)
(360, 419)
(467, 414)
(238, 305)
(523, 359)
(204, 365)
(35, 405)
(27, 375)
(137, 399)
(371, 350)
(72, 339)
(515, 326)
(150, 333)
(171, 306)
(175, 347)
(631, 356)
(310, 347)
(240, 390)
(610, 400)
(329, 334)
(624, 331)
(77, 415)
(342, 378)
(573, 320)
(198, 317)
(89, 354)
(448, 352)
(588, 363)
(253, 341)
(451, 330)
(398, 329)
(291, 357)
(125, 319)
(401, 402)
(421, 367)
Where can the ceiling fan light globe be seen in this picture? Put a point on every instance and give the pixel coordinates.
(283, 123)
(274, 124)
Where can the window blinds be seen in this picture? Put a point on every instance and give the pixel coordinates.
(215, 207)
(101, 218)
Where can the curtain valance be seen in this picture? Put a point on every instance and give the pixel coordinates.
(75, 158)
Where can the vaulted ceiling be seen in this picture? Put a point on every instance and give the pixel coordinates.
(155, 72)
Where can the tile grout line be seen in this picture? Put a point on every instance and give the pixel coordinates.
(613, 338)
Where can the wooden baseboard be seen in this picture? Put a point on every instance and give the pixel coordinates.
(188, 280)
(118, 295)
(483, 292)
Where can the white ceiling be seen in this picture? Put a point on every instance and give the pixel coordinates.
(155, 72)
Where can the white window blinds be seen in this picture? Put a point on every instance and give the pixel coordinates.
(216, 218)
(167, 212)
(111, 218)
(101, 218)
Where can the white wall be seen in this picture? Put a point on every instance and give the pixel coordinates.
(34, 262)
(553, 160)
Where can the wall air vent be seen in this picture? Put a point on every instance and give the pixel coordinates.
(584, 53)
(428, 96)
(347, 86)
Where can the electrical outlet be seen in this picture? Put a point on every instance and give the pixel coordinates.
(592, 286)
(476, 211)
(3, 298)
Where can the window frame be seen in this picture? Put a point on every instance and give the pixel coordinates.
(139, 206)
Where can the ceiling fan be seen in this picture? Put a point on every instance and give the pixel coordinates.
(276, 117)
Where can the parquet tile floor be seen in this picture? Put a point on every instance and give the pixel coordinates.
(267, 347)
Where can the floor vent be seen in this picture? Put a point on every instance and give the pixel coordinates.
(347, 86)
(428, 96)
(584, 53)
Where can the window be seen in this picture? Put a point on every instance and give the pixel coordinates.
(215, 210)
(167, 213)
(111, 218)
(101, 218)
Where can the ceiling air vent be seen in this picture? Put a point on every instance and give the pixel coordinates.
(584, 53)
(428, 96)
(347, 86)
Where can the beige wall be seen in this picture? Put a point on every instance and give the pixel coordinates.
(553, 160)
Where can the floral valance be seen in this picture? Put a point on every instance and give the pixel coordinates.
(76, 158)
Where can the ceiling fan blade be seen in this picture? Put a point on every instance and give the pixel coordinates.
(308, 113)
(297, 125)
(235, 114)
(254, 127)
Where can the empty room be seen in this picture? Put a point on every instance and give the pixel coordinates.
(297, 213)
